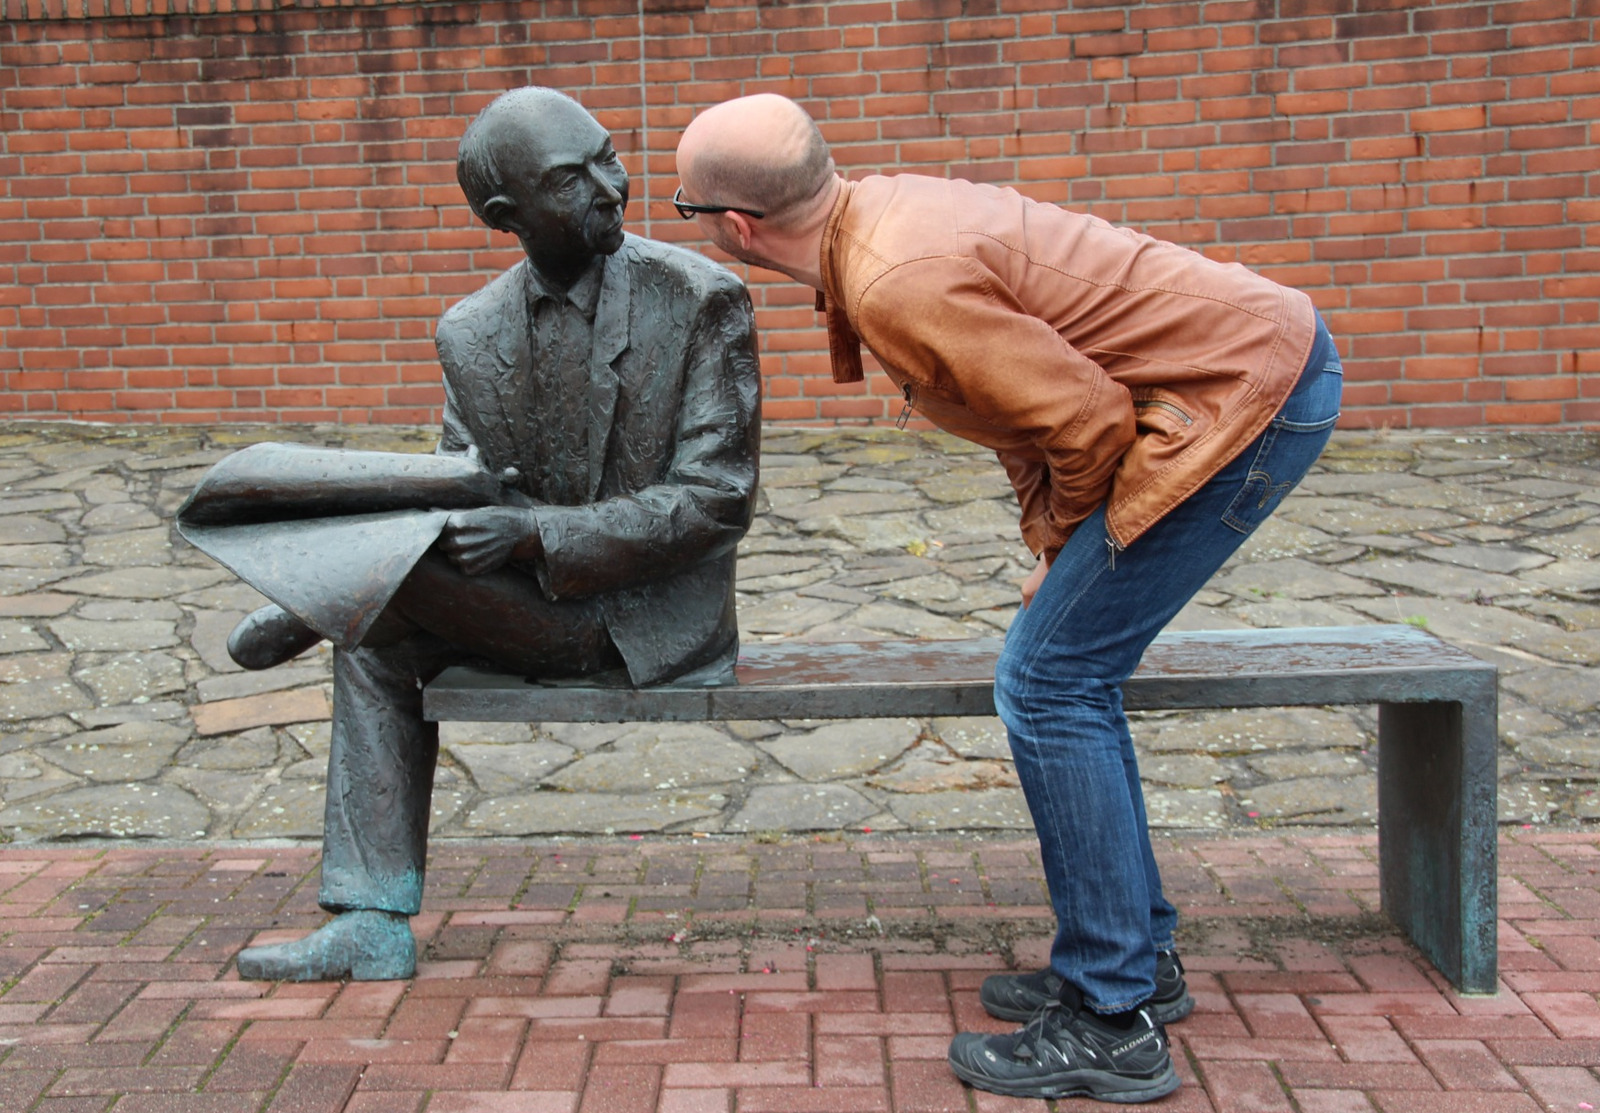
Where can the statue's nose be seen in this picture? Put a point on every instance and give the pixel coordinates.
(608, 191)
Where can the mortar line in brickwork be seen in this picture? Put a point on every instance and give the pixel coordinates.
(644, 129)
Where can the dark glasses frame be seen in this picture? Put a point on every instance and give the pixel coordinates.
(689, 210)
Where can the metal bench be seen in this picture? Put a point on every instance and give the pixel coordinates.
(1437, 732)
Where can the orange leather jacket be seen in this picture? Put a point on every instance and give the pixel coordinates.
(1100, 364)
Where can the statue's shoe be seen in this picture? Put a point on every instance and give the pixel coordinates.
(366, 946)
(269, 637)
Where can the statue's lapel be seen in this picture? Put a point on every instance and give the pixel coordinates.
(512, 367)
(610, 341)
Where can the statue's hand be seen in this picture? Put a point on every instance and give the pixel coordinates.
(482, 540)
(492, 488)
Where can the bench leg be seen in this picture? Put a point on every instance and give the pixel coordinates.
(1436, 832)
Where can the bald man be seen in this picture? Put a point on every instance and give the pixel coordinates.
(1150, 407)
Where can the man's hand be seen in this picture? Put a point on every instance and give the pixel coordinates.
(1030, 586)
(482, 540)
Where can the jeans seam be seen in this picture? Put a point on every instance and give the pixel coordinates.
(1305, 426)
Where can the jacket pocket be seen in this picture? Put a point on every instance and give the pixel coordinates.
(1161, 416)
(1160, 406)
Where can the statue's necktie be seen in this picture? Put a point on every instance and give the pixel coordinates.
(563, 344)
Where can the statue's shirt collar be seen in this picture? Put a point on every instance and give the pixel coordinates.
(584, 294)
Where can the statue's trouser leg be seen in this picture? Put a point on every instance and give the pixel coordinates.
(380, 778)
(499, 617)
(381, 762)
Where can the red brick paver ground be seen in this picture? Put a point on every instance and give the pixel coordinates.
(683, 976)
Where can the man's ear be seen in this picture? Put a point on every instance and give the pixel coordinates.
(741, 228)
(499, 213)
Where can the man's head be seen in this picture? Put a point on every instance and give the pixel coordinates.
(760, 153)
(535, 164)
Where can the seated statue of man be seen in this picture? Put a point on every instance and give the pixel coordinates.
(612, 382)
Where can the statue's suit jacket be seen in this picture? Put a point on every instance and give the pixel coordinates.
(673, 432)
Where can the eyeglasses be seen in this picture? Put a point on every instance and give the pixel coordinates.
(689, 210)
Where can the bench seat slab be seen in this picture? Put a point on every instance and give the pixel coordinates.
(888, 679)
(1436, 747)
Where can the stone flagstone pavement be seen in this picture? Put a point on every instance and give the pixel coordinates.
(121, 716)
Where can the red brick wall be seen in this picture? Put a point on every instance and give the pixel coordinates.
(246, 209)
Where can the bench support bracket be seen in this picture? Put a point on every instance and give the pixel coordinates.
(1436, 837)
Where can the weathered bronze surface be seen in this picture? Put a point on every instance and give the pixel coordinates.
(329, 535)
(596, 470)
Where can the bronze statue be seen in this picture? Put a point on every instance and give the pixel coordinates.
(596, 471)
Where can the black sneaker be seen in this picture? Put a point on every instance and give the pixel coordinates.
(1019, 996)
(1067, 1051)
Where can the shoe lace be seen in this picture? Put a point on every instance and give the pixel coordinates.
(1042, 1026)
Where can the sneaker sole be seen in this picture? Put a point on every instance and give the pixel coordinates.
(1170, 1012)
(1167, 1012)
(1100, 1085)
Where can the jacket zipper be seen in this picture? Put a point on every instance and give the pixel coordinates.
(905, 414)
(1168, 406)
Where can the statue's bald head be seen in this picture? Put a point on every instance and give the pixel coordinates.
(760, 152)
(524, 120)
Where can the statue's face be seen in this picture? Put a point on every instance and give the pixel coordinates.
(567, 187)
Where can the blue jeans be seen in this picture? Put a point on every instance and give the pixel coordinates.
(1058, 688)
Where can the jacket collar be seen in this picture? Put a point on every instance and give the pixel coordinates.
(844, 345)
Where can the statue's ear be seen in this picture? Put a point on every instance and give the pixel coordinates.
(499, 213)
